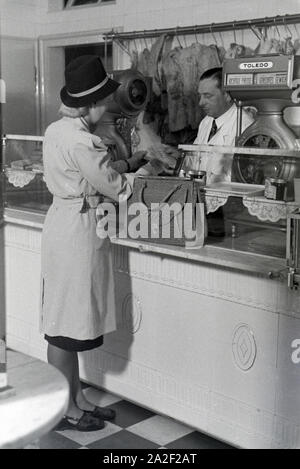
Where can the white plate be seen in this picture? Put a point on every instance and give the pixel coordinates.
(236, 188)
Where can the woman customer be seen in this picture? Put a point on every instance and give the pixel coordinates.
(77, 275)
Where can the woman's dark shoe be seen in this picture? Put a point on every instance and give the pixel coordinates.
(103, 413)
(86, 423)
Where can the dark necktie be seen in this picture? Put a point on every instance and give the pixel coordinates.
(213, 130)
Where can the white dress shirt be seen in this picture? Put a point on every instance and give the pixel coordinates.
(218, 165)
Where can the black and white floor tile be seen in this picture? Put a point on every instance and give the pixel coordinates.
(133, 428)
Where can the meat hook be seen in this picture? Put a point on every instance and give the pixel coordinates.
(123, 47)
(234, 33)
(145, 40)
(254, 31)
(221, 39)
(177, 37)
(276, 27)
(212, 33)
(135, 44)
(286, 26)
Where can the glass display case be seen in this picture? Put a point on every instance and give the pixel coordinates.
(240, 216)
(24, 187)
(246, 217)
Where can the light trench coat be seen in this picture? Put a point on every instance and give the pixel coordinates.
(77, 294)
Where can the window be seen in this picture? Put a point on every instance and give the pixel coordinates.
(55, 53)
(71, 52)
(80, 3)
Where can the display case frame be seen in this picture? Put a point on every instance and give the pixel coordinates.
(24, 187)
(269, 217)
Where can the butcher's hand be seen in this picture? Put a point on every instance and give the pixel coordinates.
(153, 168)
(172, 152)
(137, 160)
(171, 159)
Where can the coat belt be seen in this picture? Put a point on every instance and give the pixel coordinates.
(85, 203)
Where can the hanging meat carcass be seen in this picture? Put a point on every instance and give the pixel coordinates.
(288, 46)
(220, 51)
(143, 62)
(182, 69)
(268, 44)
(297, 47)
(238, 50)
(149, 61)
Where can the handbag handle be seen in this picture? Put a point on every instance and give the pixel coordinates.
(165, 199)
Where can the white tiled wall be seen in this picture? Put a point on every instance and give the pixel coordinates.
(39, 17)
(18, 18)
(145, 14)
(29, 19)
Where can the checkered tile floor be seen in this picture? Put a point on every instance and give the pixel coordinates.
(133, 428)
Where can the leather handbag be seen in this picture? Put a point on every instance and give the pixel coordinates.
(167, 210)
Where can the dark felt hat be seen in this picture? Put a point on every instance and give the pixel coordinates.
(86, 82)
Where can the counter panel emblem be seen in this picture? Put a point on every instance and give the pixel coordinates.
(244, 347)
(132, 313)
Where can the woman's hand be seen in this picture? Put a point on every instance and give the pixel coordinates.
(157, 166)
(137, 160)
(154, 168)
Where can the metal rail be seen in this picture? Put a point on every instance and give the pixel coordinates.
(279, 20)
(253, 151)
(29, 138)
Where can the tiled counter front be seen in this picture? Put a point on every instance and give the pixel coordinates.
(208, 346)
(204, 344)
(22, 283)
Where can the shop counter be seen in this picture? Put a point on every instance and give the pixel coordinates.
(209, 336)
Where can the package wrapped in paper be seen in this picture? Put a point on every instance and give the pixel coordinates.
(150, 142)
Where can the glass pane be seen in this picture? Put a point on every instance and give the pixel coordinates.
(76, 3)
(232, 227)
(3, 376)
(239, 217)
(83, 2)
(253, 170)
(24, 186)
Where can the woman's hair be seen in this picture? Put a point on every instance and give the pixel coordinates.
(65, 111)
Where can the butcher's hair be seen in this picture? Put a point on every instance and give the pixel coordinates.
(215, 73)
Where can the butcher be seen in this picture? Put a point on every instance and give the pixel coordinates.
(217, 128)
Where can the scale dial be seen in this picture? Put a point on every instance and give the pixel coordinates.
(261, 141)
(253, 170)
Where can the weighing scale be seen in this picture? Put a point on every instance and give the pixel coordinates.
(268, 84)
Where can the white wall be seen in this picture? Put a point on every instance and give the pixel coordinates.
(18, 23)
(145, 14)
(18, 18)
(29, 19)
(18, 71)
(132, 15)
(33, 18)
